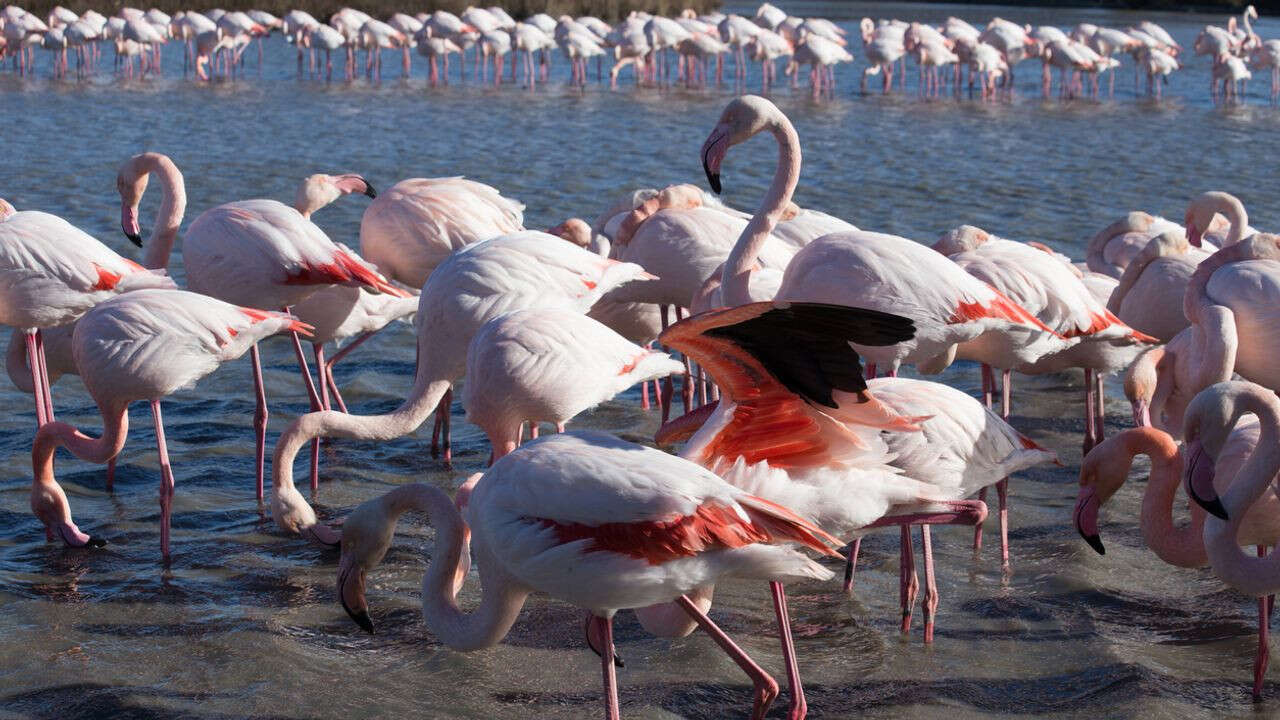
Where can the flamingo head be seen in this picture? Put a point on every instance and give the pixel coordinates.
(1208, 421)
(575, 230)
(1140, 381)
(6, 209)
(961, 239)
(1200, 214)
(131, 183)
(1102, 473)
(366, 537)
(319, 190)
(742, 118)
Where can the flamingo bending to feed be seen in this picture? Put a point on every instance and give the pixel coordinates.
(255, 253)
(1211, 419)
(142, 345)
(471, 287)
(51, 273)
(595, 522)
(549, 365)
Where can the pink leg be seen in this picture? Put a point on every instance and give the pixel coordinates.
(851, 565)
(686, 382)
(644, 395)
(766, 688)
(871, 371)
(166, 480)
(315, 406)
(604, 627)
(1002, 487)
(1089, 413)
(44, 378)
(668, 386)
(259, 415)
(435, 433)
(445, 404)
(320, 366)
(1263, 657)
(33, 362)
(908, 583)
(798, 707)
(333, 386)
(930, 603)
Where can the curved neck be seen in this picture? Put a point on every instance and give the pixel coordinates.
(115, 427)
(173, 204)
(1179, 546)
(502, 597)
(735, 277)
(1217, 343)
(427, 391)
(1233, 210)
(1249, 575)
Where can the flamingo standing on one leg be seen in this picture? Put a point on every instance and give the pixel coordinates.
(596, 522)
(51, 273)
(142, 345)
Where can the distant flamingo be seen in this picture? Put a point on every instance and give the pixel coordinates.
(142, 345)
(471, 287)
(51, 273)
(596, 522)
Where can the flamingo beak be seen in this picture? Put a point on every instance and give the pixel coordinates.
(594, 641)
(129, 224)
(1194, 234)
(1200, 481)
(713, 151)
(351, 592)
(1086, 519)
(1141, 413)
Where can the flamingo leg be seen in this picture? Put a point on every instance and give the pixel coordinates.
(166, 480)
(446, 404)
(259, 415)
(851, 565)
(324, 386)
(1002, 487)
(1263, 658)
(686, 382)
(930, 604)
(37, 387)
(1090, 416)
(908, 582)
(668, 386)
(44, 378)
(604, 630)
(766, 688)
(798, 708)
(315, 405)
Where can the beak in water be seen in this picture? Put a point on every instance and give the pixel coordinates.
(1200, 481)
(1086, 517)
(351, 593)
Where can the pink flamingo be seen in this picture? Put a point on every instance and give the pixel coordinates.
(1162, 381)
(473, 286)
(417, 223)
(254, 253)
(596, 522)
(796, 423)
(142, 345)
(548, 365)
(1211, 419)
(51, 273)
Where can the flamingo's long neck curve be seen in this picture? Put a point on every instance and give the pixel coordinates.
(737, 269)
(1250, 575)
(173, 205)
(502, 597)
(1179, 546)
(115, 428)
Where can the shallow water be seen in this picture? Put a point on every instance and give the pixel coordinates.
(243, 622)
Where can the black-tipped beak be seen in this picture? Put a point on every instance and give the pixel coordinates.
(1200, 481)
(1212, 505)
(134, 238)
(368, 190)
(361, 617)
(1095, 542)
(713, 179)
(95, 542)
(591, 643)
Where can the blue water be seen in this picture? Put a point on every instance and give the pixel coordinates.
(243, 621)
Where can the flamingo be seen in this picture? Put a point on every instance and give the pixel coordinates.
(142, 345)
(473, 286)
(1211, 419)
(254, 253)
(1266, 57)
(51, 273)
(417, 223)
(1231, 295)
(644, 526)
(548, 365)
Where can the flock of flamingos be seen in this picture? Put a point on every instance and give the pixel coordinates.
(789, 448)
(215, 42)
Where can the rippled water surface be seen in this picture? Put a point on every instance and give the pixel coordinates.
(243, 621)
